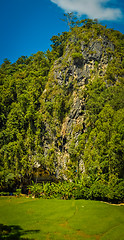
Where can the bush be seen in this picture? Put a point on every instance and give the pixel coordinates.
(35, 190)
(99, 191)
(116, 193)
(77, 55)
(4, 194)
(76, 190)
(18, 192)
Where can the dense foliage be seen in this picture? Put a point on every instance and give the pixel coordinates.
(77, 190)
(34, 105)
(22, 84)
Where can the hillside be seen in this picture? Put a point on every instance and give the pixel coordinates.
(64, 109)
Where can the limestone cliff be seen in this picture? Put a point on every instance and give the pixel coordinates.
(67, 80)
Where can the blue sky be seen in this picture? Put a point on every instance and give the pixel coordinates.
(26, 26)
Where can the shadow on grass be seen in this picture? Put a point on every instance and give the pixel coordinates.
(14, 232)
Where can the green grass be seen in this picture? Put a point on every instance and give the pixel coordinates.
(39, 219)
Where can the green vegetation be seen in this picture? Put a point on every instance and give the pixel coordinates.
(52, 219)
(64, 110)
(99, 190)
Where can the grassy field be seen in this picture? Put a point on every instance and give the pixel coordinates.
(38, 219)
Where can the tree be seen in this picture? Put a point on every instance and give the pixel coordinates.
(71, 20)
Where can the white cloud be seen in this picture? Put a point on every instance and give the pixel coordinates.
(91, 8)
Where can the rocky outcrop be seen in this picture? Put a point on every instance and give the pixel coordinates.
(72, 75)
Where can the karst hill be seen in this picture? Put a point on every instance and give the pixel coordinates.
(63, 110)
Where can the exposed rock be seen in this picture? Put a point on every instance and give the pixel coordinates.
(74, 75)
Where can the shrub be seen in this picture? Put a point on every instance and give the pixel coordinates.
(35, 189)
(4, 193)
(116, 193)
(76, 190)
(99, 191)
(18, 192)
(77, 55)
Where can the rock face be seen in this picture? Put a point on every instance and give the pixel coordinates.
(71, 76)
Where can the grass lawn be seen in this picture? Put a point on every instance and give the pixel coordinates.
(39, 219)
